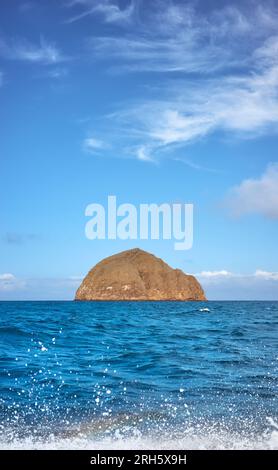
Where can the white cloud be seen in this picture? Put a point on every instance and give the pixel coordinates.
(44, 52)
(226, 285)
(7, 277)
(266, 275)
(8, 282)
(143, 154)
(214, 274)
(175, 127)
(195, 166)
(13, 288)
(232, 54)
(108, 10)
(171, 37)
(256, 196)
(92, 144)
(243, 105)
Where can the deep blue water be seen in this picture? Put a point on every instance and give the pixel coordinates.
(138, 374)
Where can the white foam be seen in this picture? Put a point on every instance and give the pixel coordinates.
(192, 440)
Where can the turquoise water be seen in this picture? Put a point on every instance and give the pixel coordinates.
(138, 374)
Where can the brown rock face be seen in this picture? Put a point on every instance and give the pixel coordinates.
(138, 275)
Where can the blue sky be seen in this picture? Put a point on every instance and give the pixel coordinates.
(159, 101)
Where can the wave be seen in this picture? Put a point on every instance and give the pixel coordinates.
(67, 382)
(136, 442)
(117, 435)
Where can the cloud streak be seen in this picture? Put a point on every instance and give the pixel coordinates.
(109, 11)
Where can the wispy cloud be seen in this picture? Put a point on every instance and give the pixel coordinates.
(44, 52)
(256, 196)
(246, 106)
(259, 285)
(76, 279)
(196, 166)
(215, 72)
(108, 10)
(91, 144)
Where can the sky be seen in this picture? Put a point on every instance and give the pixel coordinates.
(153, 102)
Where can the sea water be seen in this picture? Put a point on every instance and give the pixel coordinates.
(101, 375)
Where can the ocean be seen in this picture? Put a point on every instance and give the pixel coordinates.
(138, 375)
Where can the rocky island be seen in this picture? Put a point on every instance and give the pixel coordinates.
(138, 275)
